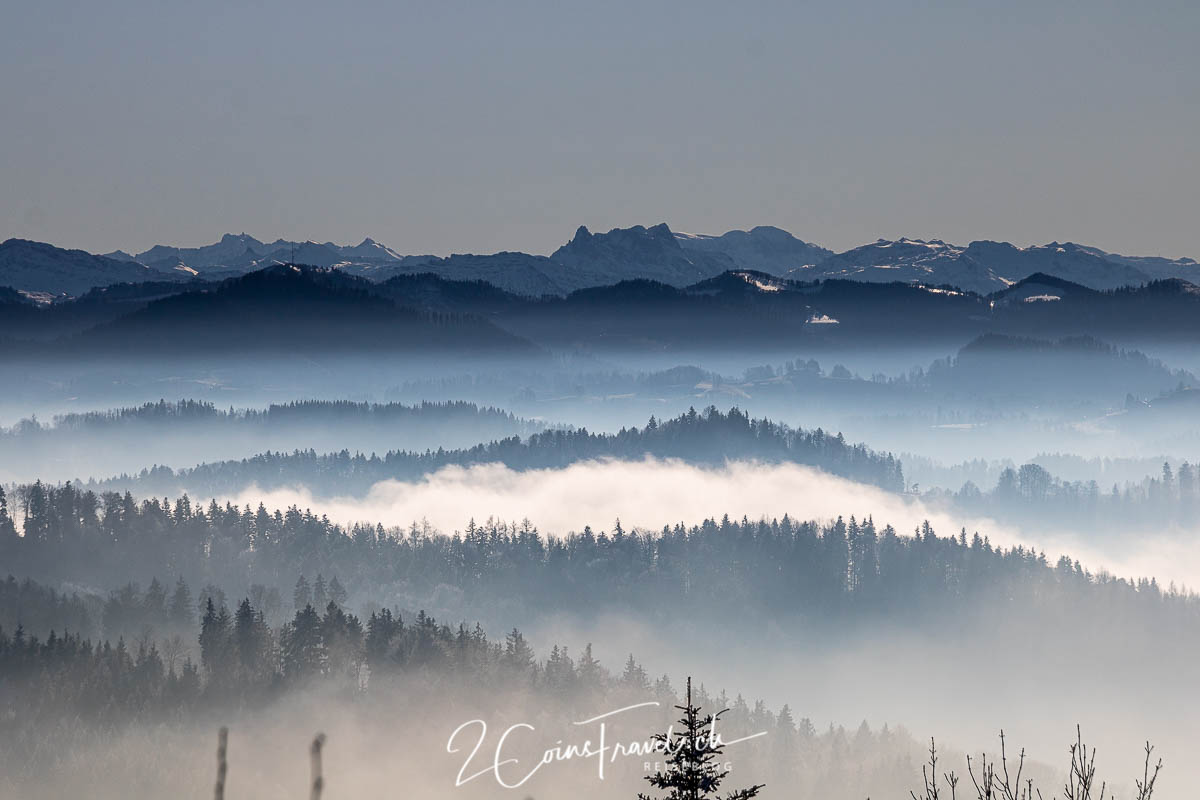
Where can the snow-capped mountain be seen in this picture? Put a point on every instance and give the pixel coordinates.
(1156, 267)
(588, 260)
(1067, 261)
(762, 248)
(931, 262)
(236, 253)
(369, 250)
(44, 271)
(231, 251)
(981, 266)
(599, 259)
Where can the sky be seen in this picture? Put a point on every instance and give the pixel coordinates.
(478, 127)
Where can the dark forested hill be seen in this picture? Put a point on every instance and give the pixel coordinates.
(709, 438)
(94, 307)
(428, 291)
(520, 273)
(738, 309)
(290, 309)
(997, 366)
(745, 307)
(310, 309)
(190, 432)
(1043, 305)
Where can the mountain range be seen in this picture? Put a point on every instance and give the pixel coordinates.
(284, 308)
(43, 271)
(654, 253)
(302, 309)
(982, 267)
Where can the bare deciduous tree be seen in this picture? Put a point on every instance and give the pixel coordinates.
(995, 781)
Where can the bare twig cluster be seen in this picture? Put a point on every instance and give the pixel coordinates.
(930, 774)
(1145, 787)
(991, 784)
(1081, 780)
(996, 781)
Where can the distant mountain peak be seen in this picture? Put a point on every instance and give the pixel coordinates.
(654, 252)
(909, 240)
(368, 249)
(770, 233)
(763, 248)
(637, 252)
(43, 269)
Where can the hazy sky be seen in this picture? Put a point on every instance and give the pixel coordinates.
(446, 127)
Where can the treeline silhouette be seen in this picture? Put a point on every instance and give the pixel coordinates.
(709, 437)
(297, 411)
(104, 443)
(236, 657)
(35, 607)
(1000, 367)
(1032, 492)
(65, 692)
(65, 686)
(781, 570)
(158, 611)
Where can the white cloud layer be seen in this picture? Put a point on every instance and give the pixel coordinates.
(652, 493)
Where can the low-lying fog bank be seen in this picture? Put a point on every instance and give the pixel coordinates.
(651, 493)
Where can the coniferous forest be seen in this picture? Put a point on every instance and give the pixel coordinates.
(128, 612)
(486, 585)
(457, 581)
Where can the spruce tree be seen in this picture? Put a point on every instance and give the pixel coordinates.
(693, 769)
(634, 677)
(301, 646)
(181, 605)
(518, 655)
(154, 603)
(382, 629)
(320, 596)
(8, 529)
(215, 642)
(337, 592)
(302, 594)
(252, 640)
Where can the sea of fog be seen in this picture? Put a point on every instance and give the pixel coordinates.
(651, 493)
(959, 689)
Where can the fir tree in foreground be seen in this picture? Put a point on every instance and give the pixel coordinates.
(694, 771)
